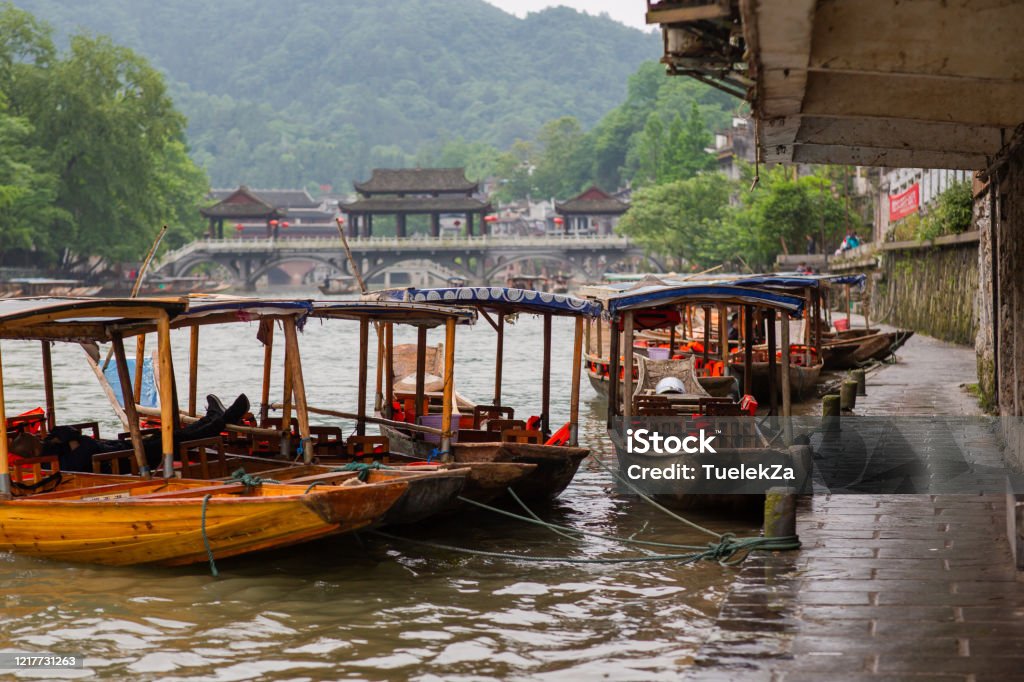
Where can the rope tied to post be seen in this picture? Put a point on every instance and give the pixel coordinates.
(249, 480)
(206, 539)
(364, 468)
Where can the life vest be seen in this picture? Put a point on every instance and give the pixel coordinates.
(749, 405)
(559, 437)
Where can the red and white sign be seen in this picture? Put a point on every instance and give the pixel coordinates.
(903, 204)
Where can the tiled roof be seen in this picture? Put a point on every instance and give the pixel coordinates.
(278, 198)
(449, 204)
(592, 202)
(416, 181)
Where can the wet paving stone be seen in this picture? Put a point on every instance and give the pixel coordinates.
(887, 587)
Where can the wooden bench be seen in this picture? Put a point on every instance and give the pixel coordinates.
(482, 413)
(195, 457)
(522, 436)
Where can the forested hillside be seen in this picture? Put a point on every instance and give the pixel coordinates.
(312, 92)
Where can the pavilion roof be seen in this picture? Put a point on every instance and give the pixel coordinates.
(241, 204)
(278, 198)
(416, 181)
(592, 202)
(449, 204)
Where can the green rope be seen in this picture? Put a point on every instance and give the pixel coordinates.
(677, 517)
(250, 480)
(363, 468)
(313, 485)
(206, 540)
(729, 551)
(565, 531)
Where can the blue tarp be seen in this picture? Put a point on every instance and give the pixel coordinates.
(656, 295)
(794, 280)
(500, 298)
(149, 396)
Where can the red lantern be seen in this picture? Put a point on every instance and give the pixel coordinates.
(239, 227)
(491, 218)
(559, 220)
(284, 225)
(273, 223)
(340, 220)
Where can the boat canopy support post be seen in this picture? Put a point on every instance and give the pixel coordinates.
(817, 326)
(499, 359)
(613, 374)
(707, 337)
(421, 369)
(286, 406)
(600, 341)
(378, 397)
(723, 335)
(449, 388)
(787, 409)
(577, 369)
(5, 472)
(773, 396)
(140, 359)
(364, 342)
(291, 341)
(545, 406)
(627, 377)
(389, 371)
(51, 412)
(268, 355)
(193, 368)
(168, 404)
(123, 376)
(748, 349)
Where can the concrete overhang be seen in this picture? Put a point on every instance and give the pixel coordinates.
(898, 83)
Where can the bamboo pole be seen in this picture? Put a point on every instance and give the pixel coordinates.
(545, 386)
(627, 379)
(449, 388)
(5, 471)
(121, 362)
(193, 368)
(108, 391)
(499, 359)
(291, 341)
(574, 398)
(167, 417)
(370, 420)
(268, 354)
(364, 342)
(348, 253)
(51, 413)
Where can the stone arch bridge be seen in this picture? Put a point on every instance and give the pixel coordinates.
(480, 260)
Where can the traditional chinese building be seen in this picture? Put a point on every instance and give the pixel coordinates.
(593, 211)
(402, 192)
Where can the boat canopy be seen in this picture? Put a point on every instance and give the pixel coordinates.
(658, 295)
(499, 299)
(80, 319)
(215, 309)
(795, 280)
(403, 312)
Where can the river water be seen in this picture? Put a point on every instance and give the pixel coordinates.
(367, 608)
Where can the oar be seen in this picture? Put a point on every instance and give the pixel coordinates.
(348, 253)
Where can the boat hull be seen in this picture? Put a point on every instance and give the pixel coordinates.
(555, 464)
(118, 525)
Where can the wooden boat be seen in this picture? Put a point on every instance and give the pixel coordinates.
(170, 522)
(432, 490)
(488, 433)
(341, 284)
(802, 378)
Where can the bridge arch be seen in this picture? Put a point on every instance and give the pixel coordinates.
(183, 269)
(449, 266)
(556, 258)
(300, 258)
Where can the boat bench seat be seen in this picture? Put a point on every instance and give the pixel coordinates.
(365, 445)
(500, 425)
(522, 436)
(203, 458)
(32, 469)
(120, 461)
(482, 413)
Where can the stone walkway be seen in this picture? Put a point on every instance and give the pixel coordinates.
(887, 587)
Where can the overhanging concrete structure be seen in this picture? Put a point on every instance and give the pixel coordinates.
(896, 83)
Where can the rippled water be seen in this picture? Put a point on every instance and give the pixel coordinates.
(366, 608)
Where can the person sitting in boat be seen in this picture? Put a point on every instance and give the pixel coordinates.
(74, 450)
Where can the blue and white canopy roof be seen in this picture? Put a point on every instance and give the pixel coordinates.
(215, 309)
(659, 295)
(400, 312)
(796, 280)
(500, 299)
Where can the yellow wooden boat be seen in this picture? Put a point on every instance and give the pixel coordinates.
(171, 522)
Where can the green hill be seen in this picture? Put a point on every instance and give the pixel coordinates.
(313, 92)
